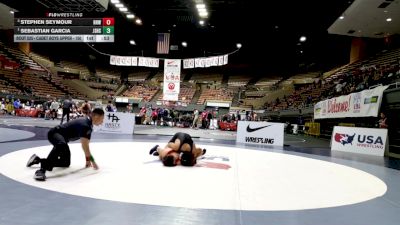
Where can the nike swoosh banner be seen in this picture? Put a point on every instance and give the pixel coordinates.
(260, 133)
(172, 79)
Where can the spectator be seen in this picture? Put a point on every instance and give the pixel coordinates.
(383, 121)
(109, 107)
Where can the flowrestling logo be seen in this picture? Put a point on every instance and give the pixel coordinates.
(364, 141)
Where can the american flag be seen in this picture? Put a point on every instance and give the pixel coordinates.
(163, 43)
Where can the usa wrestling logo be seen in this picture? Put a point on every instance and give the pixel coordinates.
(344, 138)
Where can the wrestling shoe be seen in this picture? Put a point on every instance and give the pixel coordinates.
(153, 151)
(204, 151)
(40, 175)
(34, 159)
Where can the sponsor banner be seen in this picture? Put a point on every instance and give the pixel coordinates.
(134, 61)
(117, 122)
(188, 63)
(368, 141)
(220, 60)
(148, 62)
(199, 62)
(225, 59)
(172, 79)
(120, 60)
(263, 133)
(155, 62)
(360, 104)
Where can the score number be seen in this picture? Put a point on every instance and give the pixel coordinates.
(108, 21)
(108, 26)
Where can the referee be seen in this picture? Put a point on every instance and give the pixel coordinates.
(59, 137)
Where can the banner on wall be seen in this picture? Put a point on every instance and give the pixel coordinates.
(188, 63)
(172, 79)
(368, 141)
(134, 61)
(117, 122)
(360, 104)
(263, 133)
(155, 62)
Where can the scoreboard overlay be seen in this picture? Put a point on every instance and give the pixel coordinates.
(64, 29)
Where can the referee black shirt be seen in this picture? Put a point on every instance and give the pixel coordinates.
(76, 129)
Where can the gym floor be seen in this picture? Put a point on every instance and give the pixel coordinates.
(301, 183)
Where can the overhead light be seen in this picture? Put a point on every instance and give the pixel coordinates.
(130, 16)
(153, 25)
(138, 21)
(303, 38)
(132, 42)
(388, 19)
(385, 11)
(203, 14)
(202, 10)
(238, 45)
(301, 52)
(200, 6)
(124, 9)
(201, 22)
(174, 25)
(115, 1)
(184, 44)
(12, 12)
(341, 17)
(119, 5)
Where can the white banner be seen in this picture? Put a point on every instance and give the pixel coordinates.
(188, 63)
(367, 141)
(264, 133)
(220, 60)
(360, 104)
(199, 62)
(208, 62)
(172, 79)
(155, 62)
(117, 122)
(134, 61)
(225, 59)
(214, 61)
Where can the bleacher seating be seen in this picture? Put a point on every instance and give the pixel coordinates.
(42, 60)
(206, 78)
(379, 69)
(22, 58)
(217, 94)
(102, 86)
(33, 83)
(138, 76)
(7, 88)
(142, 91)
(238, 80)
(186, 94)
